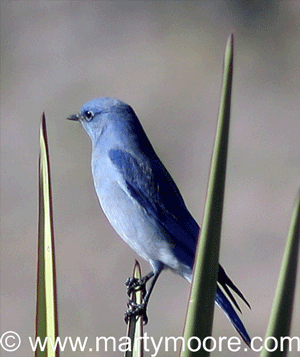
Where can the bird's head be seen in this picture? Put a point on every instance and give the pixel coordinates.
(103, 114)
(112, 123)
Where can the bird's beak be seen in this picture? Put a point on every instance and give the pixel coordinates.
(73, 117)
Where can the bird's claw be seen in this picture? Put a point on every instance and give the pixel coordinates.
(135, 284)
(135, 309)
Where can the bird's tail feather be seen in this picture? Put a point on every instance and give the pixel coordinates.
(222, 301)
(225, 282)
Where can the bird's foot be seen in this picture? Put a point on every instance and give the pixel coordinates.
(135, 309)
(134, 284)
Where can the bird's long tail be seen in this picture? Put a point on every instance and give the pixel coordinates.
(222, 301)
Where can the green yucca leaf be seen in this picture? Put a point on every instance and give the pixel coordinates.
(281, 313)
(135, 324)
(201, 306)
(46, 309)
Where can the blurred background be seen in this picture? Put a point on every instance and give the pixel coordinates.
(165, 59)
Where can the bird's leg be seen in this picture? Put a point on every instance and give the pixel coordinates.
(141, 310)
(134, 283)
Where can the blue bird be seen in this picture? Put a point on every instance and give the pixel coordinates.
(142, 202)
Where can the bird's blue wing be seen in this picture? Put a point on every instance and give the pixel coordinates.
(150, 184)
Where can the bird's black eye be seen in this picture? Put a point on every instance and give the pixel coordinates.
(89, 115)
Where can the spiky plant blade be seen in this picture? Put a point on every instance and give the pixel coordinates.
(201, 306)
(281, 313)
(46, 309)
